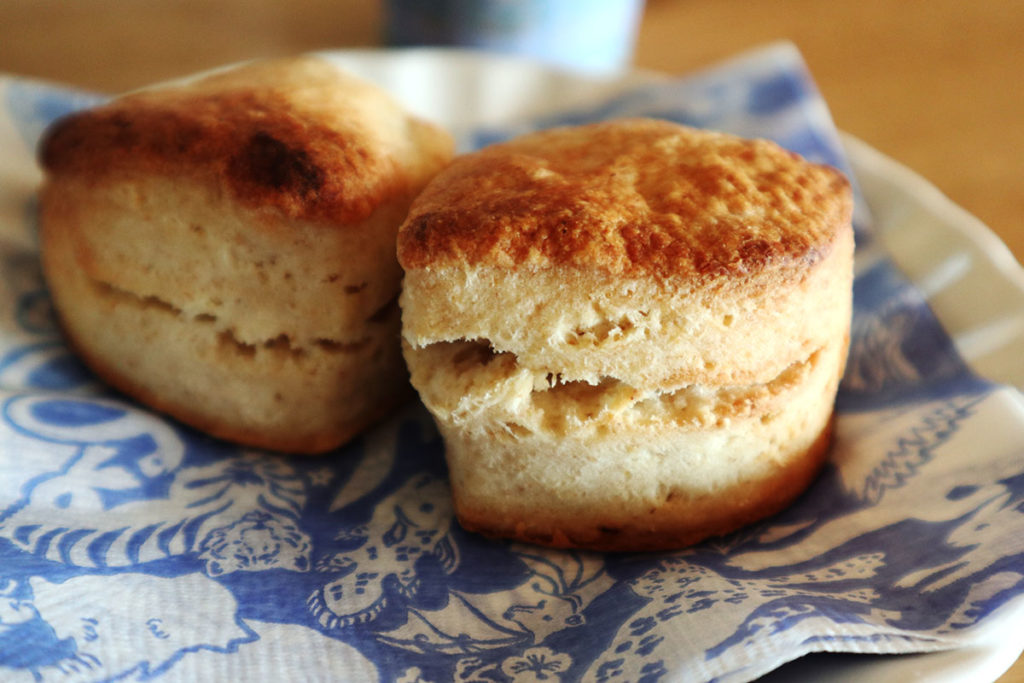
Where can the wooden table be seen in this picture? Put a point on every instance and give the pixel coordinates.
(937, 85)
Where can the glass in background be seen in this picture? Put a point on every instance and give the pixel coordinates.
(586, 36)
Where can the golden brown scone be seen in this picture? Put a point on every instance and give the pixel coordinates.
(630, 333)
(223, 248)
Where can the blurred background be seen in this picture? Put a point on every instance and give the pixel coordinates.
(936, 85)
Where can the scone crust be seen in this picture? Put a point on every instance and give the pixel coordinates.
(296, 136)
(628, 197)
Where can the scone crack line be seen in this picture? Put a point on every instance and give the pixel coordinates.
(281, 343)
(609, 399)
(609, 330)
(490, 381)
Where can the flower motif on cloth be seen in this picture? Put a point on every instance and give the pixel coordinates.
(536, 664)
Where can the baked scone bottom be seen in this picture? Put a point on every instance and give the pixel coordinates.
(252, 331)
(271, 395)
(610, 467)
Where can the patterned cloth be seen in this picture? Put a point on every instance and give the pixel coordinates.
(132, 547)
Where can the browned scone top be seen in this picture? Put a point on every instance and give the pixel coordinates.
(633, 197)
(296, 135)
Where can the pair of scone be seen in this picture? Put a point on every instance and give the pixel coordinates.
(630, 333)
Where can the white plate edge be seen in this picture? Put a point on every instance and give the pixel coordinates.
(987, 262)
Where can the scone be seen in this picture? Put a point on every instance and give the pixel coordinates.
(223, 249)
(630, 333)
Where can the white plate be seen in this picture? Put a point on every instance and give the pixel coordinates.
(971, 280)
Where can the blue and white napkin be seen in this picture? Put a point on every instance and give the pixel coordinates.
(133, 548)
